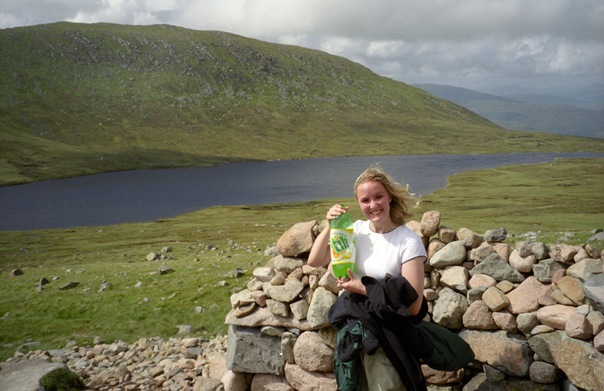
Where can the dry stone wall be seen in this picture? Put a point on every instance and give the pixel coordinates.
(532, 313)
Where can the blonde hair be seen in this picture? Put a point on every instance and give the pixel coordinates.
(401, 197)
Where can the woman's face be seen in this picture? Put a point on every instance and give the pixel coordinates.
(374, 201)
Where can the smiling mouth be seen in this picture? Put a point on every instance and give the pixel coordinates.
(375, 212)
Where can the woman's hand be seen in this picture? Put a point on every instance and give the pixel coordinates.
(351, 284)
(319, 253)
(335, 211)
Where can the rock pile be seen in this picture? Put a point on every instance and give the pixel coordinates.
(183, 364)
(533, 314)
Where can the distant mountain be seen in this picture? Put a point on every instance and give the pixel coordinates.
(590, 96)
(523, 110)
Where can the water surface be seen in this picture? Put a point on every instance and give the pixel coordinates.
(147, 195)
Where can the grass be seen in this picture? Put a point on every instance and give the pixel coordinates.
(209, 244)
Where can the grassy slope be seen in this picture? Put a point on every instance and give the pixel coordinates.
(515, 197)
(77, 99)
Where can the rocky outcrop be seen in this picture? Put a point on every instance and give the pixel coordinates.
(532, 313)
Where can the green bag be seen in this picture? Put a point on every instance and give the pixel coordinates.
(450, 352)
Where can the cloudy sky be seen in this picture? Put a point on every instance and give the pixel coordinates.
(476, 44)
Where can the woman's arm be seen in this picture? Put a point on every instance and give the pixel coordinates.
(319, 253)
(413, 271)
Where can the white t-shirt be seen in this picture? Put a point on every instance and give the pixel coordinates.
(380, 254)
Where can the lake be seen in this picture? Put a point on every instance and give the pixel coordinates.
(147, 195)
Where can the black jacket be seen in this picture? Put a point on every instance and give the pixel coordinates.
(384, 316)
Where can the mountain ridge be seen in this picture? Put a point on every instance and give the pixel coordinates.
(527, 111)
(85, 98)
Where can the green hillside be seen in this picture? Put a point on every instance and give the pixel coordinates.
(77, 99)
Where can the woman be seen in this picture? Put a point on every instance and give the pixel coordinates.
(385, 248)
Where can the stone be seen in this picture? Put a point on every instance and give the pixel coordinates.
(204, 384)
(545, 269)
(523, 299)
(520, 263)
(286, 264)
(288, 341)
(236, 381)
(579, 360)
(503, 249)
(297, 240)
(470, 238)
(505, 286)
(435, 246)
(577, 326)
(479, 253)
(456, 278)
(69, 285)
(495, 299)
(26, 375)
(523, 248)
(475, 294)
(436, 377)
(279, 279)
(449, 308)
(555, 316)
(254, 285)
(596, 319)
(481, 383)
(163, 270)
(260, 298)
(539, 250)
(478, 316)
(581, 255)
(545, 296)
(487, 347)
(540, 329)
(506, 321)
(302, 380)
(329, 282)
(572, 288)
(527, 322)
(481, 280)
(446, 234)
(264, 274)
(430, 223)
(544, 373)
(277, 307)
(495, 266)
(594, 291)
(299, 309)
(321, 302)
(270, 382)
(312, 354)
(564, 253)
(585, 268)
(242, 298)
(599, 342)
(452, 254)
(285, 293)
(263, 317)
(493, 375)
(250, 351)
(496, 235)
